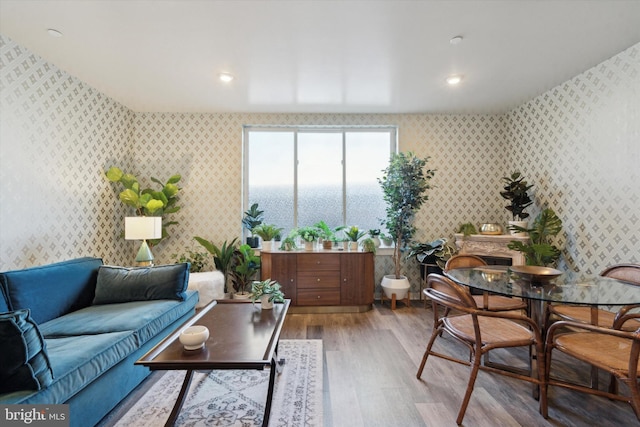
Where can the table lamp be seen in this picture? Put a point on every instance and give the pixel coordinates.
(143, 228)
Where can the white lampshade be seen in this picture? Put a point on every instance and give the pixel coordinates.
(142, 227)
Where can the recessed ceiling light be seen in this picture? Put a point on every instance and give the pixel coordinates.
(456, 40)
(454, 79)
(225, 77)
(54, 33)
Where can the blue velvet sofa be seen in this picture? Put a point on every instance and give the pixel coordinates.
(94, 321)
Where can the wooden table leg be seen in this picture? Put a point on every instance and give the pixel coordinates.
(183, 394)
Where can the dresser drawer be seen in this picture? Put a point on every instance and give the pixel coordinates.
(318, 279)
(318, 297)
(316, 262)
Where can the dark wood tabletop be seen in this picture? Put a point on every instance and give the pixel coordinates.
(241, 336)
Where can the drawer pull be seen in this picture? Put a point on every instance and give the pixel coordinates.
(318, 279)
(318, 296)
(318, 262)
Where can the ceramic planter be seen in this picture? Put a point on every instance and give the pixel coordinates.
(391, 285)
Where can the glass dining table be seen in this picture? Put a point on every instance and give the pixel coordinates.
(568, 288)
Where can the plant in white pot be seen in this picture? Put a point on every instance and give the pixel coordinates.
(404, 186)
(308, 235)
(267, 233)
(267, 292)
(516, 191)
(354, 234)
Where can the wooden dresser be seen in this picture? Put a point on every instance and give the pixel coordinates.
(322, 281)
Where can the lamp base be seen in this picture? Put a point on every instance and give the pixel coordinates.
(144, 257)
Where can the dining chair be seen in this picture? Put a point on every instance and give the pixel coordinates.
(480, 331)
(614, 351)
(485, 301)
(606, 319)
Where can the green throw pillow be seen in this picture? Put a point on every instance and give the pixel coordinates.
(122, 284)
(24, 363)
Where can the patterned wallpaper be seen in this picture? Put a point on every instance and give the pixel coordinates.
(580, 144)
(59, 135)
(56, 135)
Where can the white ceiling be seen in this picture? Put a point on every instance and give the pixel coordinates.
(323, 56)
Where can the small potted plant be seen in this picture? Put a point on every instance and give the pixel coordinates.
(308, 235)
(252, 218)
(374, 234)
(288, 244)
(516, 191)
(246, 265)
(369, 245)
(267, 292)
(327, 234)
(432, 256)
(354, 234)
(267, 233)
(386, 240)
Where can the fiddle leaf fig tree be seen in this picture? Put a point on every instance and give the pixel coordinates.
(147, 201)
(404, 185)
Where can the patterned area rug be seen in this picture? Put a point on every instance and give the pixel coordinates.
(237, 398)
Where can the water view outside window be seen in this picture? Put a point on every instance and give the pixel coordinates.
(301, 176)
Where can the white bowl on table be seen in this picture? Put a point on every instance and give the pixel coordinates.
(194, 337)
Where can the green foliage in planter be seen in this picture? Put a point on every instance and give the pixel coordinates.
(404, 185)
(467, 229)
(516, 191)
(222, 256)
(368, 245)
(198, 260)
(439, 248)
(539, 250)
(147, 201)
(354, 234)
(308, 233)
(267, 287)
(375, 232)
(267, 232)
(253, 217)
(245, 266)
(325, 232)
(288, 244)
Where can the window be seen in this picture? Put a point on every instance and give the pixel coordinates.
(300, 176)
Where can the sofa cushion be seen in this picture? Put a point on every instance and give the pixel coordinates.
(144, 318)
(24, 364)
(52, 290)
(121, 284)
(76, 362)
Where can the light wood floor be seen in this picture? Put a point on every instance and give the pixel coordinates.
(370, 365)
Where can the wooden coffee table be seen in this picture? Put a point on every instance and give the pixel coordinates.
(241, 336)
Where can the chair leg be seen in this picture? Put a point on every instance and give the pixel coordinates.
(472, 380)
(436, 331)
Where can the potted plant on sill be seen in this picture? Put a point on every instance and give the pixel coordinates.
(516, 190)
(369, 245)
(308, 235)
(222, 257)
(245, 266)
(386, 240)
(539, 250)
(404, 185)
(354, 234)
(267, 291)
(374, 234)
(253, 217)
(267, 233)
(327, 234)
